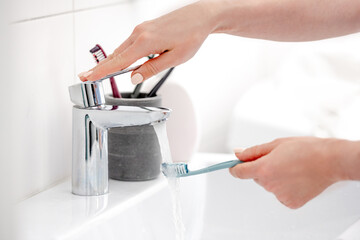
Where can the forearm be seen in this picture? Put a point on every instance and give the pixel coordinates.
(285, 20)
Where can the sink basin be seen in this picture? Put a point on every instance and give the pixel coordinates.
(241, 209)
(215, 206)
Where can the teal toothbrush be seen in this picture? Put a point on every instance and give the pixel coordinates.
(184, 169)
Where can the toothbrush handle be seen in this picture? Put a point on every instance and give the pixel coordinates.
(136, 91)
(153, 91)
(227, 164)
(114, 88)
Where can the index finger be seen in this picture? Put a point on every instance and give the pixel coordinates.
(118, 62)
(127, 43)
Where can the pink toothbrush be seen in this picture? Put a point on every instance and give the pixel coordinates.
(99, 55)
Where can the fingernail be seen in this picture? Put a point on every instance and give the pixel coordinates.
(81, 74)
(239, 150)
(137, 78)
(86, 74)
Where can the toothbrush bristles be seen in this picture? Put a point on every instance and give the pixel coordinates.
(180, 169)
(174, 169)
(99, 56)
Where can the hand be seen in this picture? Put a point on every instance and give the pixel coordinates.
(176, 37)
(298, 169)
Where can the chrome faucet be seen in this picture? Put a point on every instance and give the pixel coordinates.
(91, 120)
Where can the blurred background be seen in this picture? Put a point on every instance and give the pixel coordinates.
(243, 91)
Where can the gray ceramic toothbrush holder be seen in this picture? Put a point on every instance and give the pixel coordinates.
(134, 152)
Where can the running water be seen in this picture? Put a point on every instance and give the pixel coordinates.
(174, 183)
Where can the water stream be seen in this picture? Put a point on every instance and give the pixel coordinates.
(174, 183)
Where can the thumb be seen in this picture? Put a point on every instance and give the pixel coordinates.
(152, 67)
(245, 170)
(255, 152)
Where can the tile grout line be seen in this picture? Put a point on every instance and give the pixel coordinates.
(72, 11)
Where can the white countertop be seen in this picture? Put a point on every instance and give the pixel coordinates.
(57, 212)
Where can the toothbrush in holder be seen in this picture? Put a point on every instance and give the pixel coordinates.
(153, 91)
(100, 55)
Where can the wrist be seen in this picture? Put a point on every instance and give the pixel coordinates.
(212, 11)
(231, 17)
(346, 155)
(352, 160)
(227, 16)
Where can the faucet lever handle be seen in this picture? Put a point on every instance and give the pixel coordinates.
(89, 94)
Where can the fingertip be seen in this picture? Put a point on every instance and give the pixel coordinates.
(81, 76)
(95, 75)
(239, 150)
(238, 155)
(231, 171)
(84, 76)
(137, 78)
(243, 156)
(246, 170)
(87, 74)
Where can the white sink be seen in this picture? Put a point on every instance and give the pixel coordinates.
(215, 206)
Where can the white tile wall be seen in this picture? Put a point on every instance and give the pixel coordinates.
(85, 4)
(155, 8)
(108, 27)
(5, 120)
(25, 9)
(41, 119)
